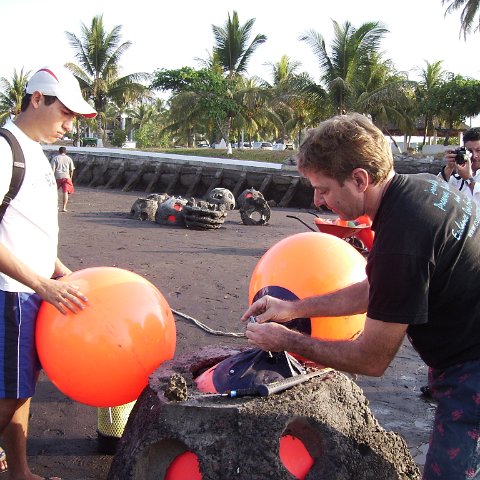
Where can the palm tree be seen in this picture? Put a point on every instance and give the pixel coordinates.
(232, 49)
(430, 77)
(352, 51)
(148, 120)
(186, 116)
(286, 95)
(387, 97)
(283, 70)
(98, 53)
(254, 113)
(467, 17)
(11, 94)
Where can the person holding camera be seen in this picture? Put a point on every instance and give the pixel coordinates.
(462, 169)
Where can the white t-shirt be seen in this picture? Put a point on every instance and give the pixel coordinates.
(458, 183)
(29, 228)
(62, 165)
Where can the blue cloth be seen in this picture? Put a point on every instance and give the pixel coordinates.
(454, 452)
(19, 363)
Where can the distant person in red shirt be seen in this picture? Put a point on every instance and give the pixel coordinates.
(63, 168)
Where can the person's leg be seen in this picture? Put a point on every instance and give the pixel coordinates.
(454, 451)
(15, 442)
(65, 201)
(7, 410)
(18, 375)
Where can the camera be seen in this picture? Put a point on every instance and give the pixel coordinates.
(461, 155)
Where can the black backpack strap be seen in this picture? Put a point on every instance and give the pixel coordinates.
(18, 170)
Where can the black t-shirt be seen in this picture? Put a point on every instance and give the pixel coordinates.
(424, 268)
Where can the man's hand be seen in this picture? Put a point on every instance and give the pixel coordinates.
(465, 169)
(450, 164)
(268, 336)
(269, 308)
(62, 295)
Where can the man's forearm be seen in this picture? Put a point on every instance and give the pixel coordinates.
(348, 301)
(341, 355)
(369, 354)
(14, 268)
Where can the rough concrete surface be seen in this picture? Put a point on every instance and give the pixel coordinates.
(239, 438)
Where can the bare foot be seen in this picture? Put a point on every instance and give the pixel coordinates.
(64, 210)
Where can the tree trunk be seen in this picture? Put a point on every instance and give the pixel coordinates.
(393, 140)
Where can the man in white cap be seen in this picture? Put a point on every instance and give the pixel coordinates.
(28, 249)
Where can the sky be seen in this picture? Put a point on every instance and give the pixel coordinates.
(173, 34)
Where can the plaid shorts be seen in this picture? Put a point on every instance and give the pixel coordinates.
(454, 452)
(19, 364)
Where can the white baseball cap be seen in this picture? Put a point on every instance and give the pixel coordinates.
(60, 82)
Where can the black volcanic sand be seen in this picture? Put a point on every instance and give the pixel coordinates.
(206, 276)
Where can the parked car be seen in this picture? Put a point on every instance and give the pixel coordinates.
(203, 144)
(266, 146)
(256, 145)
(283, 146)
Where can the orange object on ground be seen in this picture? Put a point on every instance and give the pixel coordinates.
(102, 356)
(295, 457)
(366, 235)
(309, 264)
(184, 466)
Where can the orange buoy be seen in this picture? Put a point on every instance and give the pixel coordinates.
(295, 457)
(102, 356)
(309, 264)
(184, 466)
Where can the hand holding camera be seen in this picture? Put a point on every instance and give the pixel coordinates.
(462, 155)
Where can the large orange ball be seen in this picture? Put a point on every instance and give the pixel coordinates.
(102, 356)
(309, 264)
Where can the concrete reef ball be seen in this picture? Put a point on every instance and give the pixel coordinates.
(222, 196)
(103, 355)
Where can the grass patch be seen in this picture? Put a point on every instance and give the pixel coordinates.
(272, 156)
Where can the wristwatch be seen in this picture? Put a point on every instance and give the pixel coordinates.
(469, 181)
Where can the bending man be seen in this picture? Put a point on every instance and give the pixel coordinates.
(422, 277)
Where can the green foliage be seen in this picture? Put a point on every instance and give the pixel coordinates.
(98, 53)
(207, 90)
(214, 90)
(11, 94)
(346, 69)
(119, 137)
(177, 80)
(454, 100)
(152, 135)
(270, 156)
(469, 11)
(231, 49)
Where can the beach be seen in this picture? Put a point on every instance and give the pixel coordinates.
(205, 275)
